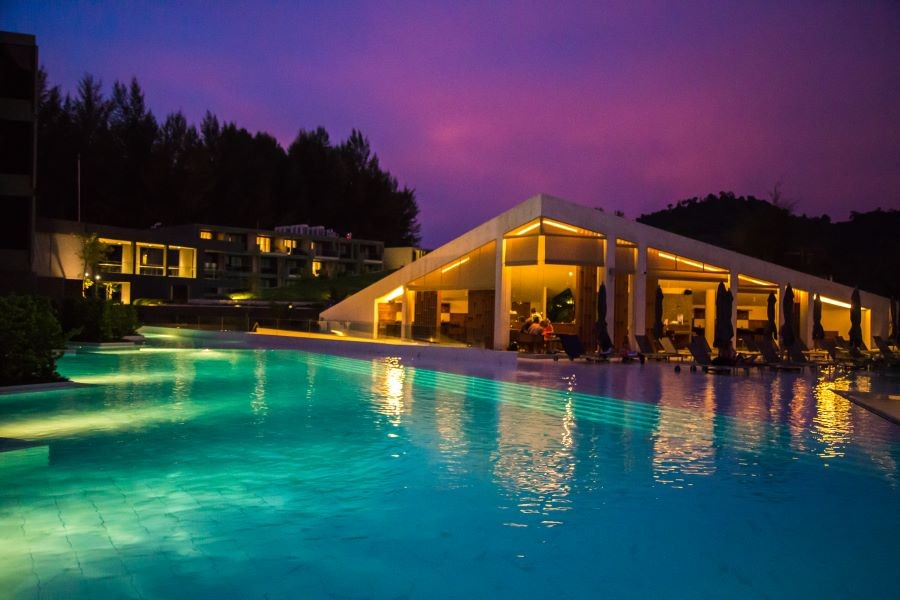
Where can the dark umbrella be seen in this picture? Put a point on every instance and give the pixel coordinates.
(600, 327)
(818, 330)
(895, 319)
(724, 331)
(855, 334)
(771, 327)
(787, 327)
(657, 323)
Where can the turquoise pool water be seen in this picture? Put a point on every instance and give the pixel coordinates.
(285, 474)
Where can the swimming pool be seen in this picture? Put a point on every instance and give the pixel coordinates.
(276, 473)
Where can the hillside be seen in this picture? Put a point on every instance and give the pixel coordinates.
(863, 251)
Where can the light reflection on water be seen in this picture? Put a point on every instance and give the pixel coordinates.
(369, 463)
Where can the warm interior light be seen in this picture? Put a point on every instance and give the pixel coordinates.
(833, 302)
(456, 264)
(689, 262)
(560, 226)
(531, 227)
(338, 333)
(756, 281)
(395, 293)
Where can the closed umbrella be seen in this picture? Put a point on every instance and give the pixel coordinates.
(600, 327)
(724, 330)
(658, 306)
(771, 327)
(895, 319)
(818, 331)
(855, 334)
(787, 327)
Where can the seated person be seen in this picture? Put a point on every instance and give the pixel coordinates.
(547, 329)
(526, 325)
(535, 327)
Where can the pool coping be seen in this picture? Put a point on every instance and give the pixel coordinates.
(886, 406)
(39, 387)
(411, 352)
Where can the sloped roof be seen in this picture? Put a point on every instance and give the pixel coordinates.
(544, 205)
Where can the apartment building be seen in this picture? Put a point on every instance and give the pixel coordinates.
(184, 262)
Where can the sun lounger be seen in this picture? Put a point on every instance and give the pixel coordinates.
(703, 359)
(773, 360)
(670, 350)
(573, 348)
(648, 350)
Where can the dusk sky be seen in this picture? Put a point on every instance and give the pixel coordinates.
(623, 105)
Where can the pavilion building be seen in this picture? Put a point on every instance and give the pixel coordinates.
(552, 255)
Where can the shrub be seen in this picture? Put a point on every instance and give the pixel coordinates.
(30, 336)
(98, 320)
(122, 320)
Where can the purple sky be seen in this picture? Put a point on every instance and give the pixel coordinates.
(624, 105)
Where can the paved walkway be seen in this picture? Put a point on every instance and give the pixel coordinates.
(883, 405)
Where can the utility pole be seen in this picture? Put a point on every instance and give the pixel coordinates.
(78, 182)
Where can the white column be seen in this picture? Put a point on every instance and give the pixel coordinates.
(502, 298)
(639, 301)
(733, 288)
(808, 321)
(610, 278)
(404, 314)
(710, 321)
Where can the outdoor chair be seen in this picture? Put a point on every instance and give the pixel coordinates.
(773, 360)
(703, 359)
(530, 343)
(671, 351)
(888, 356)
(573, 348)
(647, 349)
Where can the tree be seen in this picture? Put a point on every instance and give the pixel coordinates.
(91, 252)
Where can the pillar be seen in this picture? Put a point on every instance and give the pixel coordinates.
(502, 297)
(404, 314)
(806, 316)
(733, 289)
(609, 262)
(709, 328)
(639, 299)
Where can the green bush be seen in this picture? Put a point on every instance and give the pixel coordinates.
(98, 320)
(122, 320)
(30, 336)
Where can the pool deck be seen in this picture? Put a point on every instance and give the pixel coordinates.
(409, 351)
(883, 405)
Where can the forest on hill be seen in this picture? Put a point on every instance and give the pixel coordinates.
(136, 171)
(863, 251)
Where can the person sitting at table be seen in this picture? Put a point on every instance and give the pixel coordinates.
(535, 327)
(547, 329)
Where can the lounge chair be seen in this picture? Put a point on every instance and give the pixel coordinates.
(773, 360)
(573, 348)
(703, 359)
(646, 348)
(888, 356)
(671, 351)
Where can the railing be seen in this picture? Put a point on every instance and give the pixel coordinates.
(110, 267)
(158, 270)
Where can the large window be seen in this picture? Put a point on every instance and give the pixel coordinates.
(181, 261)
(151, 259)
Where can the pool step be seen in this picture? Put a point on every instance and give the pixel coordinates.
(22, 454)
